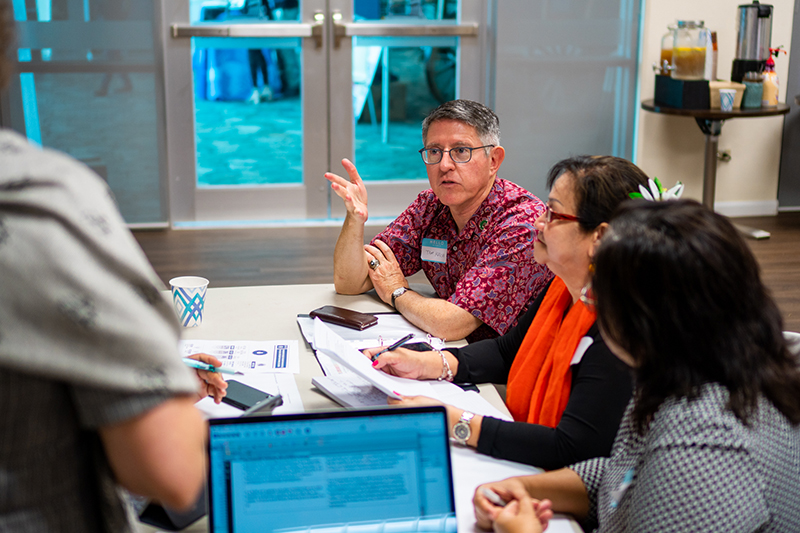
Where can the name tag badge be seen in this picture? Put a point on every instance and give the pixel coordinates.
(434, 250)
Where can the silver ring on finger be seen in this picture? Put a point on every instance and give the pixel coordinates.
(374, 263)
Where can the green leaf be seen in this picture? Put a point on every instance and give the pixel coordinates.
(635, 195)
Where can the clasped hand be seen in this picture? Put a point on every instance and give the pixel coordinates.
(522, 514)
(387, 276)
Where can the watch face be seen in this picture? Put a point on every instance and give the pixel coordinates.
(398, 292)
(461, 431)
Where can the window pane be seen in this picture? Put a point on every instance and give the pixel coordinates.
(115, 134)
(88, 88)
(389, 151)
(248, 116)
(248, 134)
(425, 9)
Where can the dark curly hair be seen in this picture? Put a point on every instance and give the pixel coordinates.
(679, 290)
(601, 182)
(6, 40)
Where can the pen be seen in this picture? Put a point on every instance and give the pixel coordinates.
(194, 363)
(394, 346)
(493, 497)
(271, 401)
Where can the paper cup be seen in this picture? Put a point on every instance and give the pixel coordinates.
(726, 98)
(189, 297)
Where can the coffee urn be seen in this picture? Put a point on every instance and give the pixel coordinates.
(753, 39)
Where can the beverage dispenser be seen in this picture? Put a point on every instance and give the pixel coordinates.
(689, 49)
(753, 39)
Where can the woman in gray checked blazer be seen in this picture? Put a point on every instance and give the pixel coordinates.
(711, 439)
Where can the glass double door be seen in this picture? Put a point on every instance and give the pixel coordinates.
(265, 96)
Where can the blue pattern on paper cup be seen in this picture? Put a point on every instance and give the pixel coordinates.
(189, 304)
(726, 99)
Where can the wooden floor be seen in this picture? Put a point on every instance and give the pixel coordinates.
(280, 256)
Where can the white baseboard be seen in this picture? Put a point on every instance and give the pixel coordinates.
(760, 208)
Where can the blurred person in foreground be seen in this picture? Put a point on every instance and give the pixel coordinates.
(471, 233)
(565, 389)
(711, 439)
(94, 397)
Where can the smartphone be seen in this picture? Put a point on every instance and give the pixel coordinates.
(243, 396)
(419, 346)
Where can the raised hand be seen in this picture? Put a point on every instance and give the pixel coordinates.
(352, 191)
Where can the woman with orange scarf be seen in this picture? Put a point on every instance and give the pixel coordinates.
(565, 389)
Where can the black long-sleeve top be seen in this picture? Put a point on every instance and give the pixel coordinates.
(601, 389)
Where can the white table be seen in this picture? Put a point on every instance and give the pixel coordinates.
(270, 313)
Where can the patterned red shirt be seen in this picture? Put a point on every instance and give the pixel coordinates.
(489, 269)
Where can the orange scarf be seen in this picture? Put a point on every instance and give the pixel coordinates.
(540, 378)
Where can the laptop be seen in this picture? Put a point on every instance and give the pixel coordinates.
(381, 470)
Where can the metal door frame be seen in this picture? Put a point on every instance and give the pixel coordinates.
(188, 203)
(789, 177)
(322, 22)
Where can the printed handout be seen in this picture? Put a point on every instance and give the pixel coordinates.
(249, 356)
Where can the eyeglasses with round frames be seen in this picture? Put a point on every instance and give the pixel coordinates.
(550, 215)
(459, 154)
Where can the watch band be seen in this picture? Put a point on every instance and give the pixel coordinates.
(397, 293)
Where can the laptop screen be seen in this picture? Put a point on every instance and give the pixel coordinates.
(379, 470)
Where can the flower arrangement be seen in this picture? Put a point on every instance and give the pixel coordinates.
(657, 192)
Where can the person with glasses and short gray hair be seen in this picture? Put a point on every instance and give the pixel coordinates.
(472, 234)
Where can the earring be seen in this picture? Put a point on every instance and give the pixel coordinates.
(587, 296)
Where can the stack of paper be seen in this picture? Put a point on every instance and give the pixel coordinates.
(390, 327)
(366, 386)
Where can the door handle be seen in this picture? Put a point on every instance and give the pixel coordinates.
(242, 30)
(276, 29)
(380, 29)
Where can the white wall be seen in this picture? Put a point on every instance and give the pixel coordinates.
(672, 147)
(565, 83)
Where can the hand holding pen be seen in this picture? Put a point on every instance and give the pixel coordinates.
(209, 371)
(394, 346)
(209, 367)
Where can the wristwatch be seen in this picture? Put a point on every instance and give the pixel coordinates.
(397, 293)
(462, 431)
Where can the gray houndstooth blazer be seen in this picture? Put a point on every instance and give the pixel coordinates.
(698, 468)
